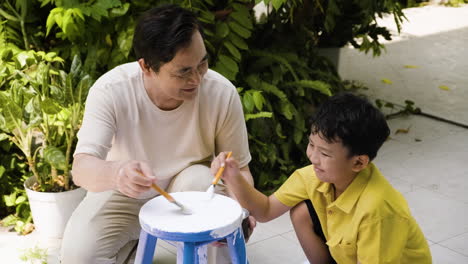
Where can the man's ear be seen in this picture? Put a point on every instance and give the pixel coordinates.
(360, 162)
(144, 67)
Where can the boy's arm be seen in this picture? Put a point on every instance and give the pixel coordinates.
(263, 208)
(247, 175)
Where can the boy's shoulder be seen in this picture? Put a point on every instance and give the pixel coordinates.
(307, 176)
(381, 199)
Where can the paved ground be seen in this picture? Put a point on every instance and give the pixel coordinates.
(428, 164)
(435, 41)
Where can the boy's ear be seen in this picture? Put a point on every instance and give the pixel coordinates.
(360, 162)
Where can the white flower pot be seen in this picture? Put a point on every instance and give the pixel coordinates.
(51, 210)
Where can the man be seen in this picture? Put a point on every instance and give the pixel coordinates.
(158, 120)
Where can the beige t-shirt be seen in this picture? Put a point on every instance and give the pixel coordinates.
(122, 123)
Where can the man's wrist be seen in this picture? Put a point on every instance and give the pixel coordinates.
(116, 169)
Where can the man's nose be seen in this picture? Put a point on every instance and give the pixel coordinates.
(195, 77)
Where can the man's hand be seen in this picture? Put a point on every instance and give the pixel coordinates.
(251, 224)
(134, 178)
(248, 225)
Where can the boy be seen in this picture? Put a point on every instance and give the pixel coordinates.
(342, 208)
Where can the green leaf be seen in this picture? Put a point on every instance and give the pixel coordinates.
(3, 136)
(243, 19)
(248, 102)
(258, 115)
(50, 107)
(55, 157)
(207, 16)
(240, 30)
(229, 63)
(7, 54)
(119, 11)
(222, 30)
(277, 3)
(54, 15)
(280, 59)
(2, 170)
(223, 70)
(233, 50)
(316, 85)
(209, 46)
(259, 100)
(279, 131)
(20, 199)
(9, 220)
(298, 134)
(12, 114)
(238, 41)
(287, 110)
(10, 199)
(274, 90)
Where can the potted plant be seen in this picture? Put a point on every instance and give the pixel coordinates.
(41, 107)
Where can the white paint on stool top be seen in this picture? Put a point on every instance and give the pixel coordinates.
(220, 214)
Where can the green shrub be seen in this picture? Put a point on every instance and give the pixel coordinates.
(274, 61)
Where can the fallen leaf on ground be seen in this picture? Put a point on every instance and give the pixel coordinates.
(402, 131)
(411, 66)
(387, 81)
(444, 87)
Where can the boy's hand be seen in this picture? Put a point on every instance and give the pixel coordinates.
(231, 168)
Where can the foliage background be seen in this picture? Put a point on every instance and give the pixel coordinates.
(273, 60)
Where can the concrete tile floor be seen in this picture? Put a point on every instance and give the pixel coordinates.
(428, 164)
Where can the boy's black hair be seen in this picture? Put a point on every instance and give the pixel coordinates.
(161, 32)
(351, 119)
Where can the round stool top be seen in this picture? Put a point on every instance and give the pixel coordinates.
(211, 218)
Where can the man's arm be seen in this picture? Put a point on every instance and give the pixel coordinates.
(96, 175)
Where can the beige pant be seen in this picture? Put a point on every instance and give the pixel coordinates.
(105, 227)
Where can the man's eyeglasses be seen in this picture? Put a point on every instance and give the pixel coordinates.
(187, 74)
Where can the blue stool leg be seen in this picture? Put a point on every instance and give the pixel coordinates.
(236, 244)
(145, 250)
(202, 253)
(189, 254)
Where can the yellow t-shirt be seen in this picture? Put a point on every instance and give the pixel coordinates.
(370, 222)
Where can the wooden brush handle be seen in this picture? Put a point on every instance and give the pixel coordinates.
(159, 190)
(162, 192)
(220, 170)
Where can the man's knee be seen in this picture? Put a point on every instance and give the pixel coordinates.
(99, 228)
(79, 247)
(193, 178)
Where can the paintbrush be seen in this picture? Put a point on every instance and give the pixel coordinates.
(185, 209)
(210, 190)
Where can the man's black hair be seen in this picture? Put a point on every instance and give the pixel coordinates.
(354, 121)
(161, 32)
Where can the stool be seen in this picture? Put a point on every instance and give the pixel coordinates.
(213, 219)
